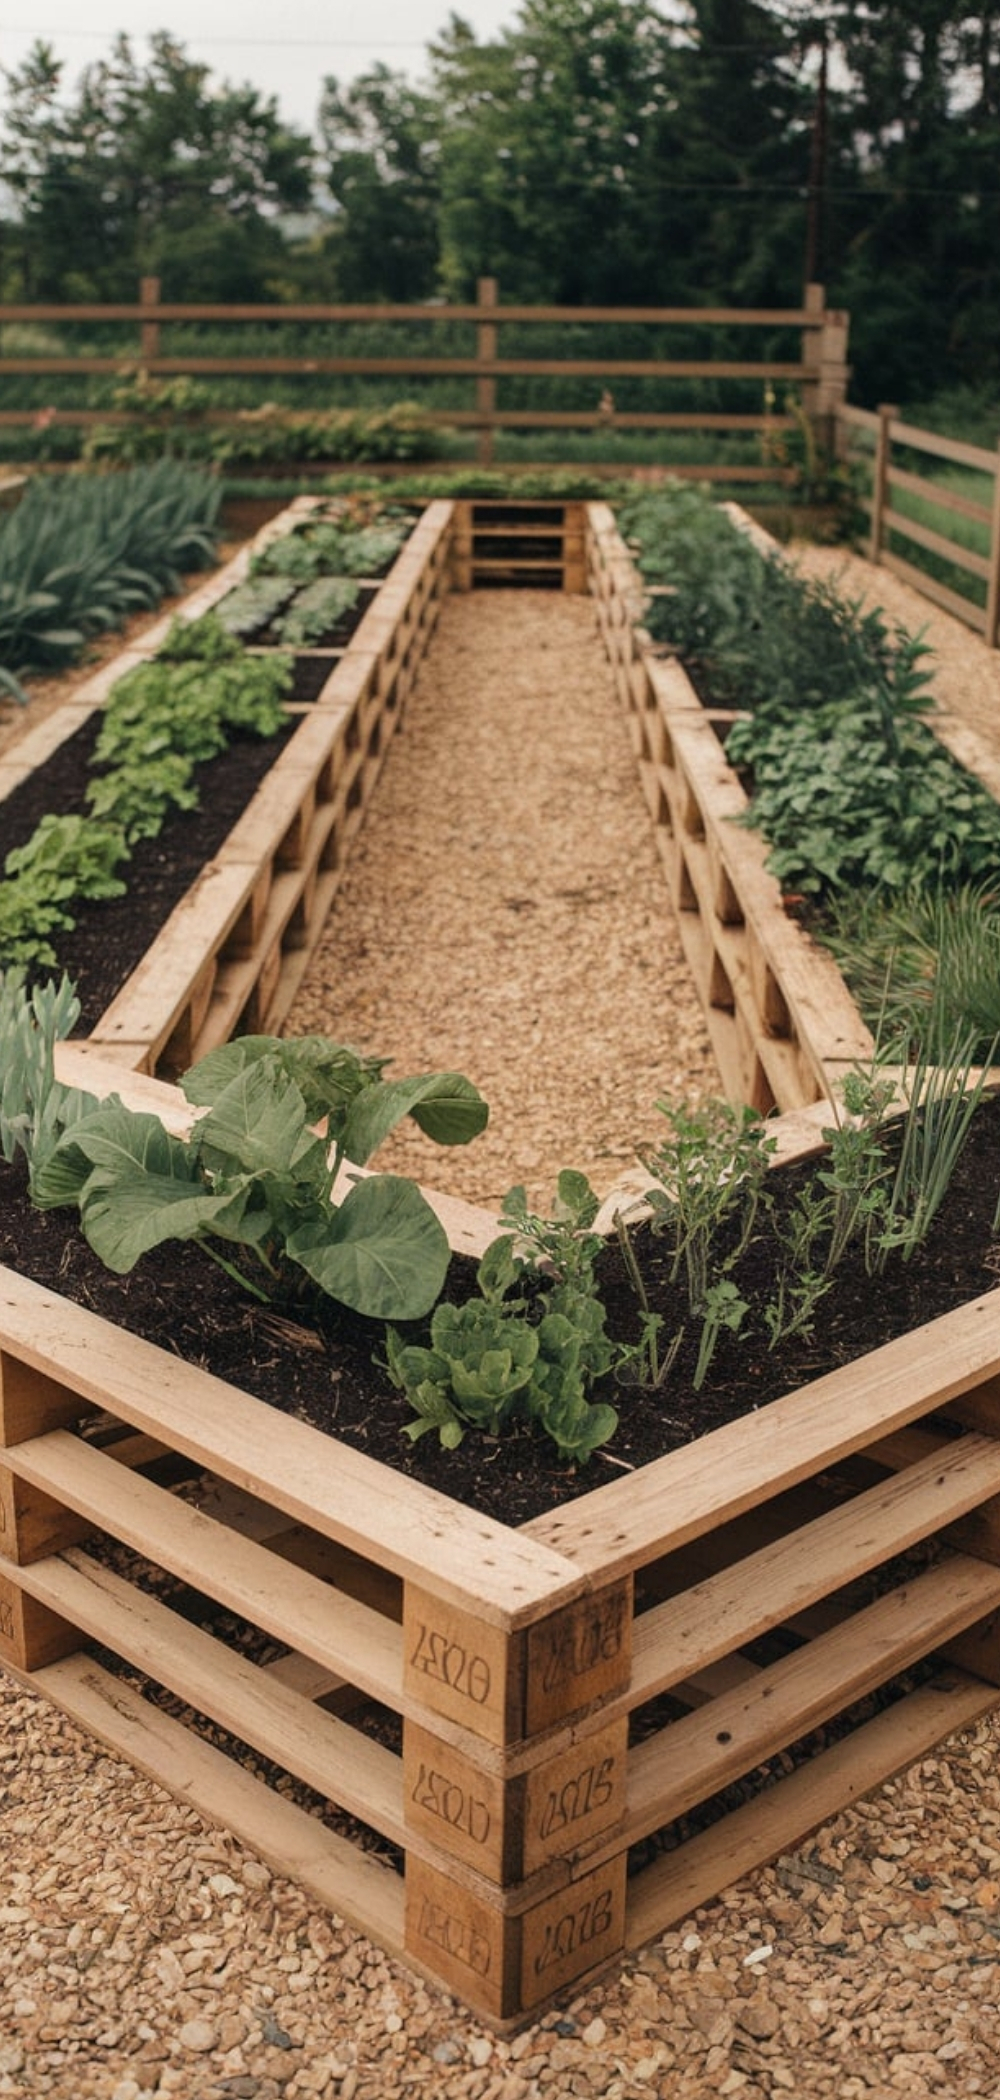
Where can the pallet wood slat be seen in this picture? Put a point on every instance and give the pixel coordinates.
(351, 1770)
(293, 1606)
(736, 1606)
(745, 1726)
(354, 1883)
(776, 1821)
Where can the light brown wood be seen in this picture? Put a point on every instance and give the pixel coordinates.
(344, 1636)
(348, 1768)
(735, 1733)
(780, 1817)
(728, 1610)
(622, 1525)
(356, 1885)
(416, 1532)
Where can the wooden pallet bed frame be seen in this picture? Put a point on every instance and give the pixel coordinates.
(523, 1800)
(575, 1698)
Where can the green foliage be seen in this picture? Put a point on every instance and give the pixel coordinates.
(198, 429)
(909, 955)
(255, 1183)
(146, 168)
(79, 555)
(334, 548)
(507, 1356)
(35, 1107)
(317, 609)
(253, 605)
(848, 784)
(163, 718)
(708, 1178)
(67, 858)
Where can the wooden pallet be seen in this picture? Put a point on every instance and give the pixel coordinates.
(509, 544)
(573, 1698)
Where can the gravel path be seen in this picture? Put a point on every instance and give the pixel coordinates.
(504, 912)
(143, 1954)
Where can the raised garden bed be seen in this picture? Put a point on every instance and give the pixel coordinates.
(532, 1735)
(233, 949)
(567, 1691)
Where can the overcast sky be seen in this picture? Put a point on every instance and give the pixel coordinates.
(286, 51)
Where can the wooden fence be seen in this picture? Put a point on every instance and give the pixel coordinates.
(816, 377)
(884, 448)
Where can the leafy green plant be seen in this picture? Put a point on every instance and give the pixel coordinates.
(317, 609)
(162, 719)
(942, 1096)
(909, 954)
(502, 1356)
(708, 1179)
(182, 421)
(66, 858)
(332, 548)
(79, 554)
(35, 1108)
(252, 605)
(256, 1183)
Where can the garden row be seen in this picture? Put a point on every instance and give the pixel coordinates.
(537, 1739)
(233, 951)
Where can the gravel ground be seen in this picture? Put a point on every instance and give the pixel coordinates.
(504, 913)
(143, 1954)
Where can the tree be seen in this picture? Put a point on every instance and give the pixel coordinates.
(380, 137)
(148, 172)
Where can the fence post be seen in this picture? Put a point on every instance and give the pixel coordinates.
(880, 473)
(149, 332)
(993, 585)
(486, 386)
(815, 297)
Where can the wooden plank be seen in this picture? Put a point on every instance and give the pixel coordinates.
(944, 498)
(936, 542)
(782, 1816)
(772, 1585)
(172, 310)
(417, 1532)
(952, 601)
(621, 1526)
(956, 450)
(730, 1736)
(348, 1768)
(346, 1637)
(355, 1885)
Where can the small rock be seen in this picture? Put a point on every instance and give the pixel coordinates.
(593, 2034)
(481, 2051)
(447, 2052)
(198, 2035)
(759, 2017)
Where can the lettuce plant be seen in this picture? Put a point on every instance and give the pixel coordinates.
(254, 1184)
(502, 1356)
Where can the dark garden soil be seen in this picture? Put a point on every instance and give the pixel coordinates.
(327, 1373)
(111, 937)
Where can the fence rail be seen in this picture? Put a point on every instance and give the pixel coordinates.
(817, 376)
(962, 574)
